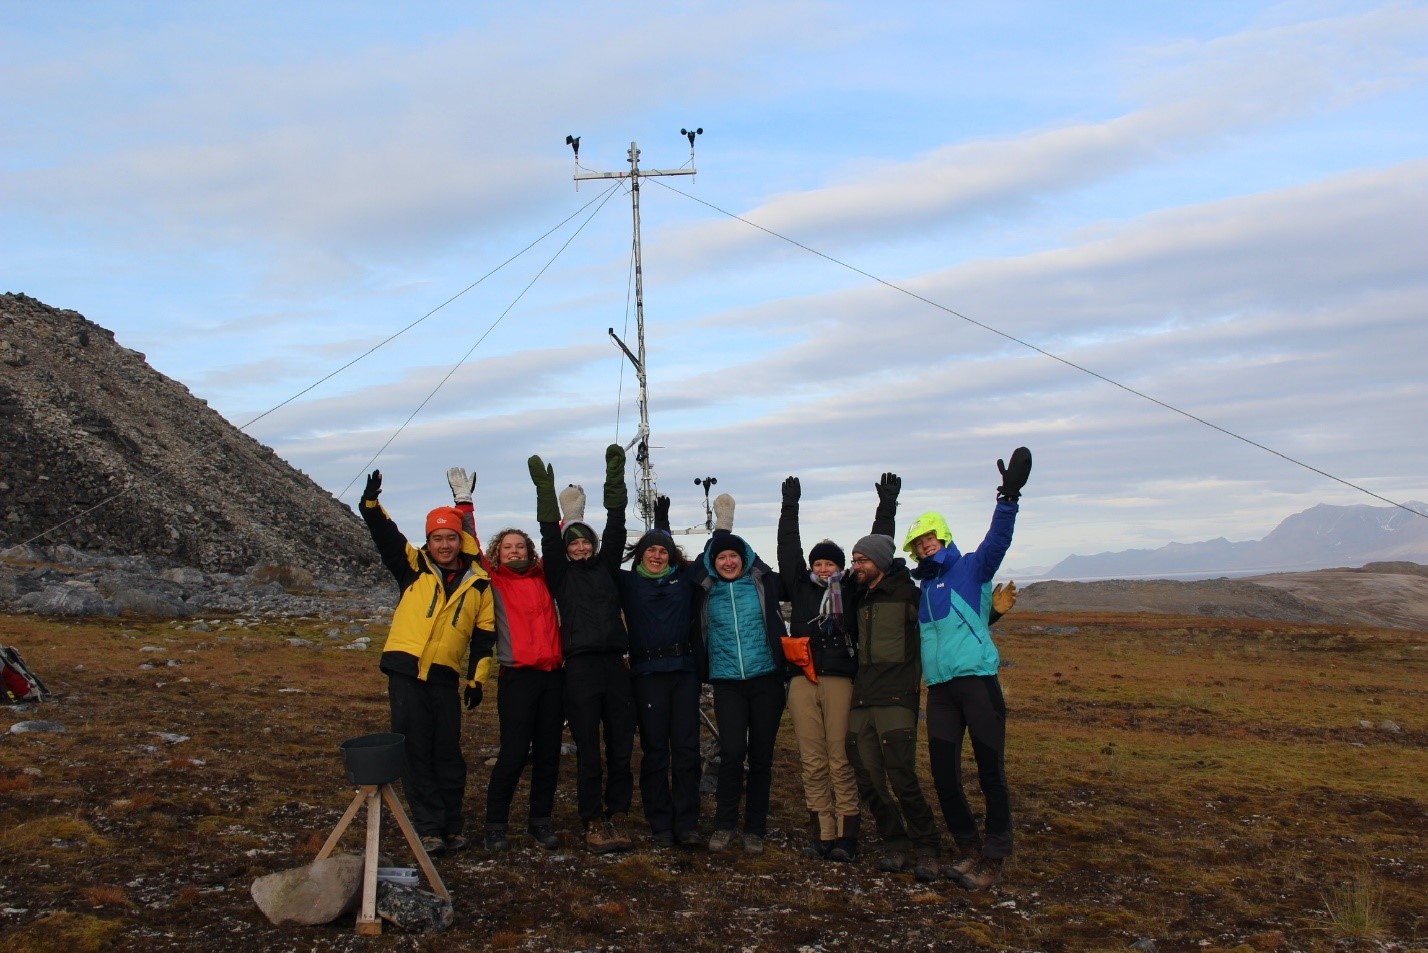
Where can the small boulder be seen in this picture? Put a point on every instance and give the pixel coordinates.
(306, 896)
(413, 909)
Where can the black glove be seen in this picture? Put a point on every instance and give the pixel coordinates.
(472, 696)
(889, 485)
(1014, 474)
(792, 490)
(373, 488)
(662, 513)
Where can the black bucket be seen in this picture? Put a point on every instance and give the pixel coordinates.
(374, 759)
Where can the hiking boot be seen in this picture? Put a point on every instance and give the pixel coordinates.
(689, 838)
(663, 838)
(753, 843)
(927, 869)
(986, 872)
(616, 824)
(894, 862)
(818, 849)
(454, 842)
(720, 839)
(971, 853)
(845, 848)
(600, 837)
(543, 835)
(433, 844)
(496, 838)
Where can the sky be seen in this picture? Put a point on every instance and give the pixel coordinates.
(1180, 251)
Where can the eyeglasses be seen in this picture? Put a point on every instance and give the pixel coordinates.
(861, 559)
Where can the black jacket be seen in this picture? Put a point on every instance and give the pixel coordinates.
(585, 592)
(834, 648)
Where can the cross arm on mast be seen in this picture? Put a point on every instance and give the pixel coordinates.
(646, 493)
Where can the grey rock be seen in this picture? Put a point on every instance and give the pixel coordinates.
(413, 909)
(1144, 945)
(1385, 726)
(143, 603)
(185, 576)
(76, 599)
(306, 896)
(21, 727)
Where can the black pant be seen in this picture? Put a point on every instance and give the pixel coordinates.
(667, 708)
(972, 704)
(529, 703)
(598, 702)
(748, 713)
(434, 774)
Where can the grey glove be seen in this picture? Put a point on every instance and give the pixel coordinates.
(543, 476)
(572, 503)
(461, 485)
(617, 495)
(724, 512)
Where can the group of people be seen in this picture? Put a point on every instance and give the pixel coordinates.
(573, 636)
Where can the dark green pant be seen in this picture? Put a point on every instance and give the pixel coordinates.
(882, 744)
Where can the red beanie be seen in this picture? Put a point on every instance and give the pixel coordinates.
(443, 517)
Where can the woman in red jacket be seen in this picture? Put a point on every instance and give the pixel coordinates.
(530, 698)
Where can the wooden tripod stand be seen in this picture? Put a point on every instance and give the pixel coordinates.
(368, 924)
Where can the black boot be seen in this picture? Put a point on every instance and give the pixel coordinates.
(845, 848)
(817, 848)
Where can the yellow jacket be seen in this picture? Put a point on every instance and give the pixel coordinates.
(434, 628)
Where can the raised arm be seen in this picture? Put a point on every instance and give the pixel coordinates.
(462, 487)
(617, 497)
(391, 544)
(889, 485)
(790, 542)
(552, 551)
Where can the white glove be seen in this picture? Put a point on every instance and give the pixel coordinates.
(461, 485)
(572, 503)
(724, 512)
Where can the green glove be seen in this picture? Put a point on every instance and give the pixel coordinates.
(543, 476)
(617, 496)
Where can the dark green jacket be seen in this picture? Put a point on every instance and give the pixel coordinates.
(889, 642)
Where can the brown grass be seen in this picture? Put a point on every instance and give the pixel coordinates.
(1204, 783)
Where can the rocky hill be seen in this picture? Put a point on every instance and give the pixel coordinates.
(1390, 595)
(1321, 537)
(103, 453)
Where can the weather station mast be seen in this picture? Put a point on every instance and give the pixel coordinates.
(646, 492)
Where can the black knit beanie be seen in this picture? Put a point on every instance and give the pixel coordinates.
(828, 550)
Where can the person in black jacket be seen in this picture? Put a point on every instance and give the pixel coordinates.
(823, 644)
(657, 595)
(580, 571)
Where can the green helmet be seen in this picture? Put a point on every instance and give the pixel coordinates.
(924, 524)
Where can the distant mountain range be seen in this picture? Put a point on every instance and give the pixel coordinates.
(1321, 537)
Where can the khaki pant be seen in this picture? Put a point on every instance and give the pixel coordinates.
(820, 722)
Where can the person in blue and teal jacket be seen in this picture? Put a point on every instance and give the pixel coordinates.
(741, 654)
(959, 665)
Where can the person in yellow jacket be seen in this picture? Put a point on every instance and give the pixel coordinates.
(443, 626)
